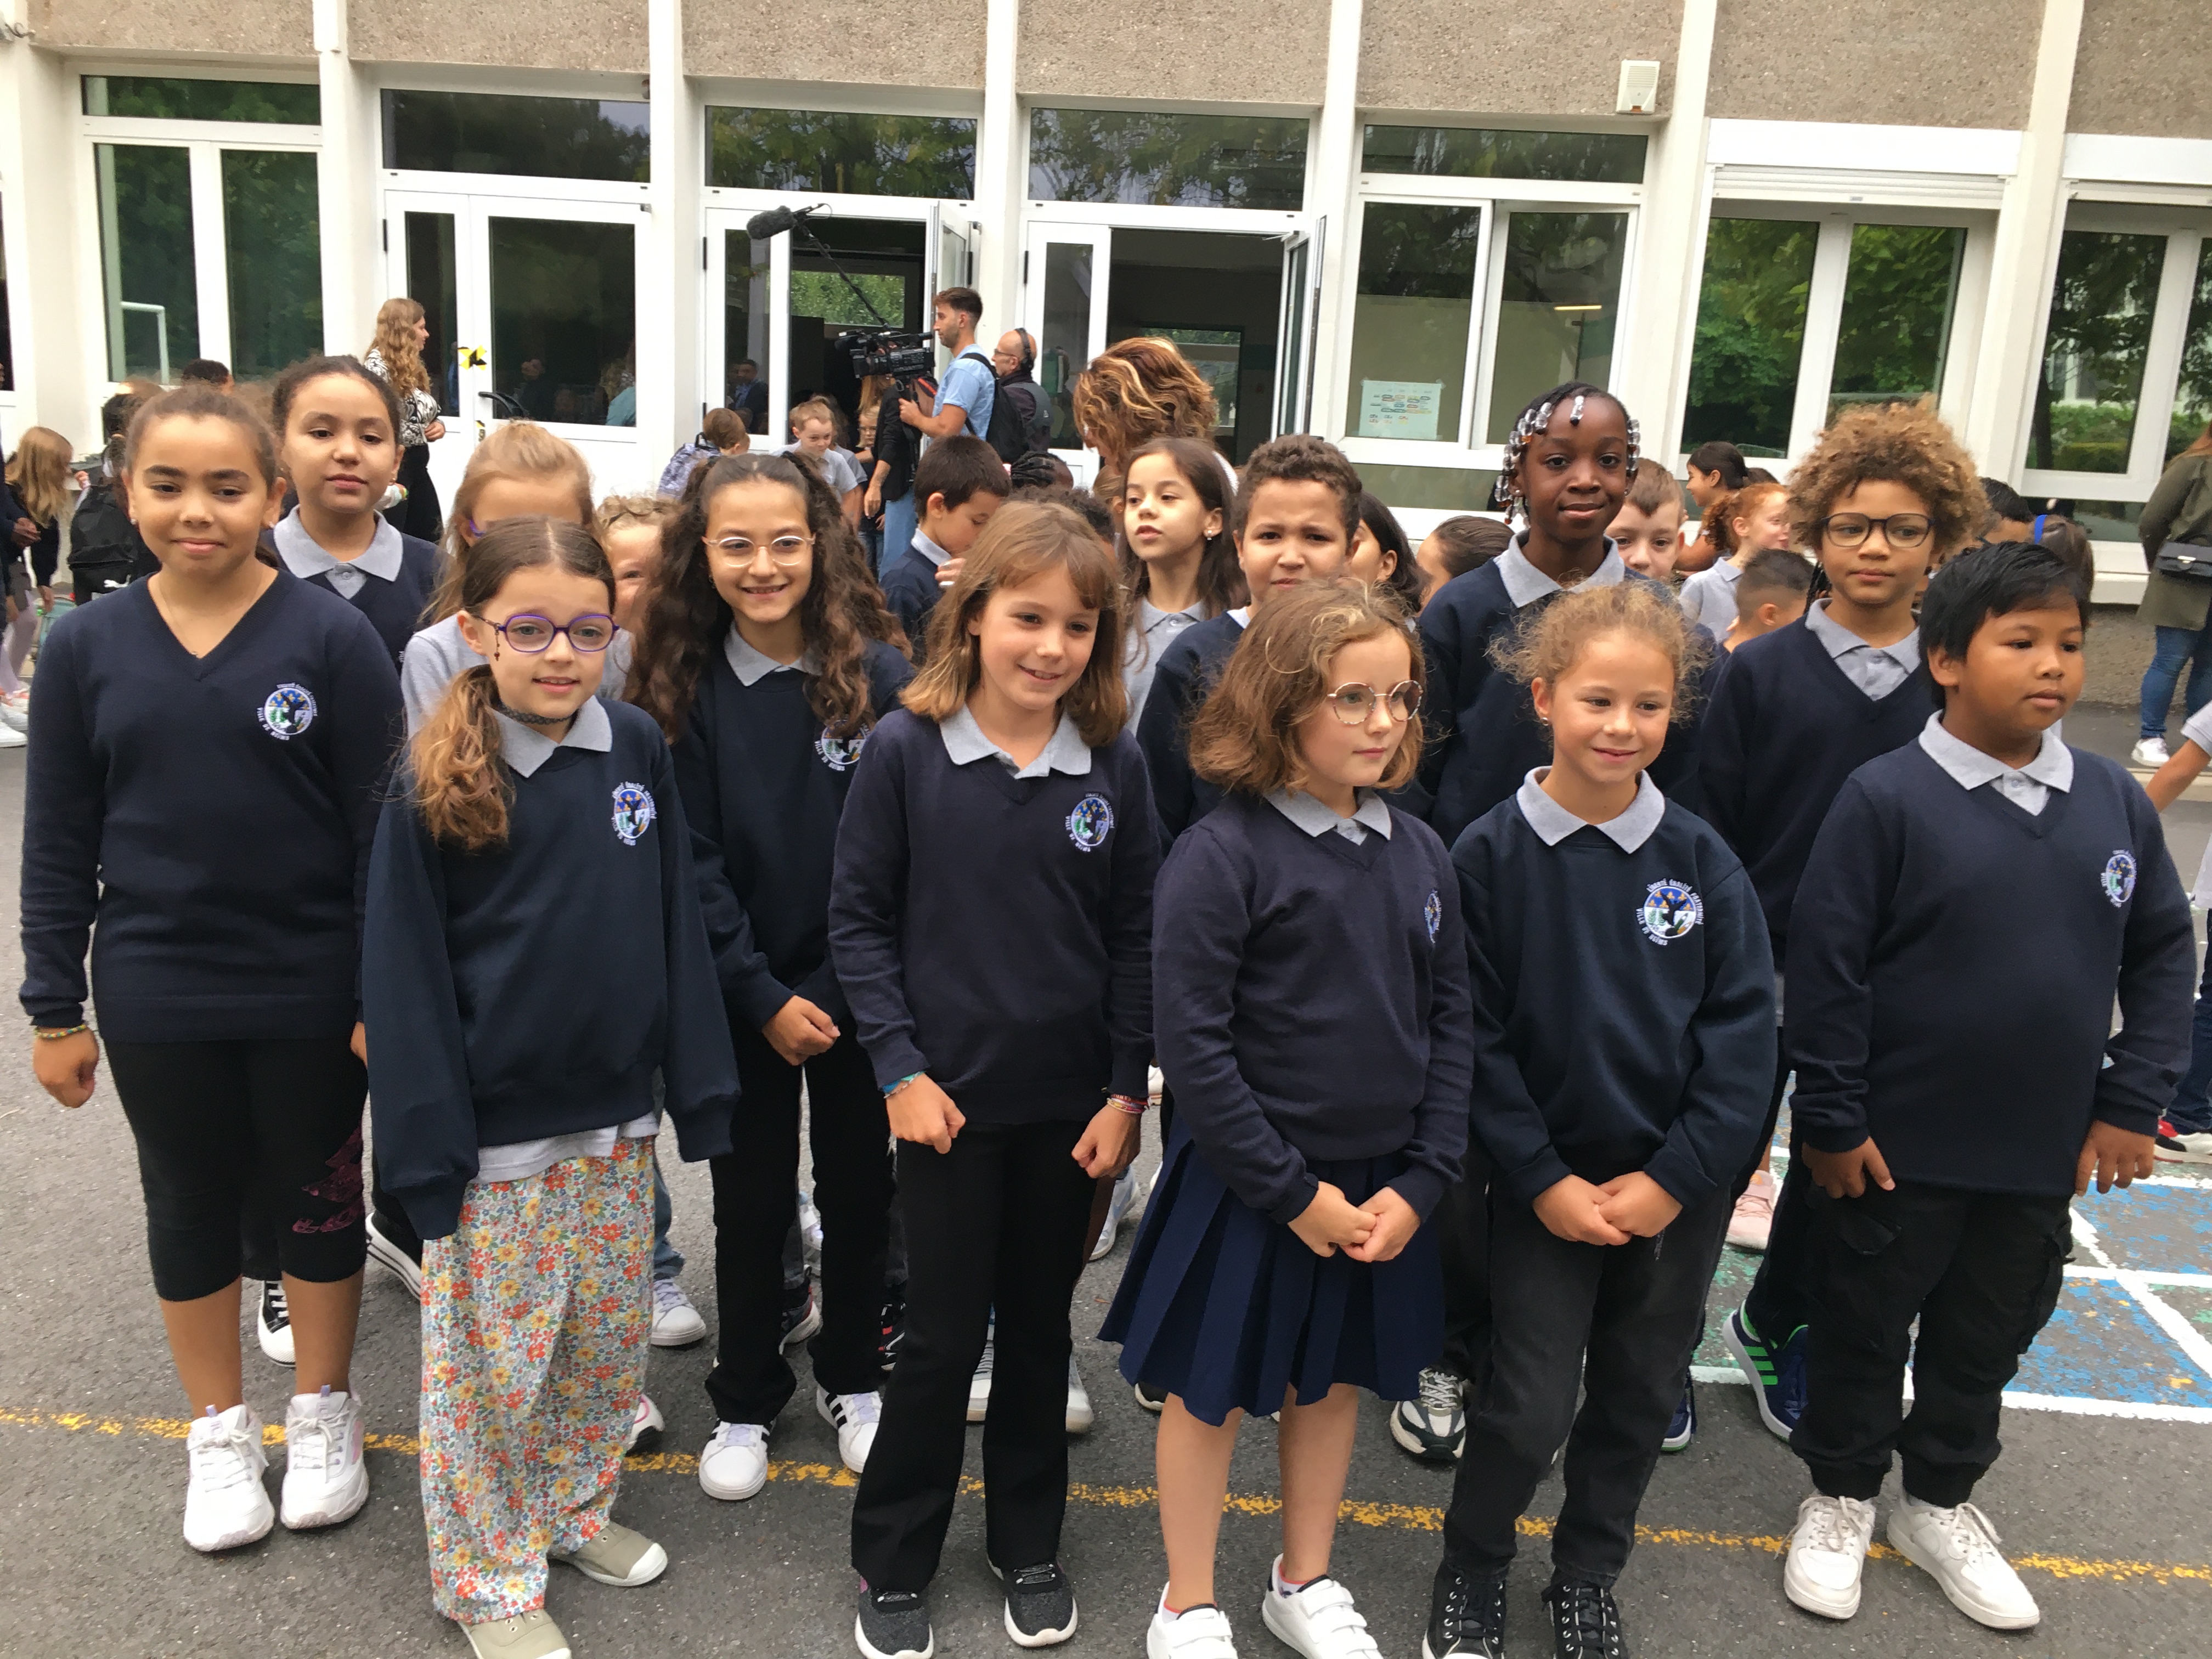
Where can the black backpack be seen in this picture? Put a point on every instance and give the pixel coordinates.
(105, 549)
(1009, 433)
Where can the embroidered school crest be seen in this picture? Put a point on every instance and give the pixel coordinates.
(2118, 879)
(1432, 914)
(1668, 911)
(634, 812)
(839, 753)
(1091, 823)
(287, 711)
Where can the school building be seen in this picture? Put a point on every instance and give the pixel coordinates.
(1387, 222)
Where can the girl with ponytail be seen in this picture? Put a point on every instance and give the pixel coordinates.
(532, 954)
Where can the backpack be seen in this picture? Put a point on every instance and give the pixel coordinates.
(105, 549)
(1037, 416)
(1008, 433)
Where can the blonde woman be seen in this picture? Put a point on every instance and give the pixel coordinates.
(38, 479)
(401, 332)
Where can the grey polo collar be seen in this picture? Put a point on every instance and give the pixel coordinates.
(929, 549)
(1840, 641)
(1318, 819)
(1065, 751)
(751, 667)
(1970, 768)
(525, 747)
(1553, 823)
(1525, 584)
(304, 558)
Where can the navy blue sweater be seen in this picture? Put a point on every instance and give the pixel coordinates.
(1784, 729)
(1188, 670)
(995, 932)
(1483, 734)
(763, 785)
(394, 609)
(1624, 1004)
(911, 591)
(1952, 964)
(1310, 1002)
(212, 814)
(532, 989)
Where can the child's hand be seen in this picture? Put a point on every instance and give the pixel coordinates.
(360, 1043)
(1636, 1204)
(2165, 784)
(923, 1113)
(1109, 1144)
(2115, 1157)
(1330, 1220)
(948, 572)
(1569, 1209)
(65, 1066)
(1845, 1175)
(1395, 1223)
(799, 1031)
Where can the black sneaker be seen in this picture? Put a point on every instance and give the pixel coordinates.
(1585, 1622)
(1040, 1605)
(1152, 1399)
(274, 1324)
(893, 1329)
(1467, 1617)
(802, 1314)
(1684, 1428)
(894, 1625)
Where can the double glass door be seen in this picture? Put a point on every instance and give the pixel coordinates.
(533, 310)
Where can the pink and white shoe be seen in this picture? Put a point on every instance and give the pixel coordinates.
(1753, 1216)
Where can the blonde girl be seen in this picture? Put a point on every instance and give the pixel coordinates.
(39, 476)
(396, 354)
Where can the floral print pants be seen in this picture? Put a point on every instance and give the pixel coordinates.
(535, 1317)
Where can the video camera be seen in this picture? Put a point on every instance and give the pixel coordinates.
(884, 349)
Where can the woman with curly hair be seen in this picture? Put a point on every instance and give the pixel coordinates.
(1135, 390)
(768, 657)
(396, 354)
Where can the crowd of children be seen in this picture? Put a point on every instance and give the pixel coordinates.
(1477, 901)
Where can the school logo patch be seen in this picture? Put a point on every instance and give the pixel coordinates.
(287, 711)
(1091, 823)
(1432, 914)
(839, 753)
(1668, 911)
(2118, 879)
(634, 812)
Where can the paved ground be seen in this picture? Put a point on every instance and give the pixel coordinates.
(2100, 1495)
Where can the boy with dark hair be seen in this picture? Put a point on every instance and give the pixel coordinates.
(1943, 869)
(1771, 591)
(957, 485)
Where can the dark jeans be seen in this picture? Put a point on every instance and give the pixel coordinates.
(756, 1203)
(2190, 1110)
(1622, 1320)
(1981, 1272)
(2175, 647)
(1780, 1300)
(1463, 1226)
(998, 1221)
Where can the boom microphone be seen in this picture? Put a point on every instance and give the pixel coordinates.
(775, 221)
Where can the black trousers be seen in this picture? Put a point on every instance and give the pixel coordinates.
(998, 1221)
(1981, 1272)
(259, 1137)
(419, 515)
(258, 1238)
(1622, 1320)
(1781, 1297)
(1462, 1228)
(756, 1204)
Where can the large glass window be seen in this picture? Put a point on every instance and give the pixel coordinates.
(1436, 489)
(2192, 397)
(1167, 160)
(1610, 158)
(496, 132)
(298, 103)
(1558, 305)
(564, 320)
(431, 284)
(1410, 320)
(146, 256)
(2093, 349)
(1064, 342)
(848, 154)
(1751, 333)
(272, 254)
(1898, 297)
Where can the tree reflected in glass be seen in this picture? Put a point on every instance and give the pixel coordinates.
(1751, 333)
(1167, 160)
(836, 151)
(2101, 300)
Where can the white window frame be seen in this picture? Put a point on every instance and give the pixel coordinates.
(203, 142)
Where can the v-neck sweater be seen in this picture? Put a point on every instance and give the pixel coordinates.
(213, 815)
(1952, 966)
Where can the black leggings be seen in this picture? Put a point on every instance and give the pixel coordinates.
(268, 1128)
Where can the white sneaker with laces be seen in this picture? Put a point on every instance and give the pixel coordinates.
(226, 1504)
(1432, 1425)
(855, 1416)
(1827, 1553)
(676, 1322)
(2150, 751)
(979, 1387)
(1317, 1619)
(1958, 1547)
(734, 1465)
(273, 1323)
(325, 1480)
(645, 1426)
(1196, 1633)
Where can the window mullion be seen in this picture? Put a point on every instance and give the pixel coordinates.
(1481, 327)
(2169, 327)
(209, 267)
(1824, 317)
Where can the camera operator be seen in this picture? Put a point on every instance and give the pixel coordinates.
(970, 386)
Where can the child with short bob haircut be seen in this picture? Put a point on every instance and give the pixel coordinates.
(1624, 1030)
(1178, 559)
(990, 922)
(1974, 904)
(1312, 1019)
(535, 830)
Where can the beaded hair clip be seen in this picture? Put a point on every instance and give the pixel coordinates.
(1534, 421)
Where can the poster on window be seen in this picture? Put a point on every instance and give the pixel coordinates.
(1400, 408)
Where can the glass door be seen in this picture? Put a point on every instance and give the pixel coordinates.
(1064, 276)
(1297, 322)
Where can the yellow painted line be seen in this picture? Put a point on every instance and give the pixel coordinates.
(1404, 1517)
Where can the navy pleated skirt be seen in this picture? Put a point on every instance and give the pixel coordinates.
(1229, 1309)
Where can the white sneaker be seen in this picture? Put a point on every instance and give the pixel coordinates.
(645, 1423)
(1958, 1547)
(1117, 1212)
(11, 738)
(1432, 1425)
(224, 1504)
(15, 710)
(734, 1465)
(1317, 1619)
(273, 1323)
(676, 1322)
(325, 1481)
(855, 1416)
(1080, 1417)
(810, 1237)
(2183, 1145)
(979, 1386)
(2151, 751)
(1201, 1633)
(1827, 1552)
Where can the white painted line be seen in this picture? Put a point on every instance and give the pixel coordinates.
(2066, 1405)
(2191, 1281)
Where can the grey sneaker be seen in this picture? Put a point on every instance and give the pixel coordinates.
(619, 1556)
(1040, 1605)
(532, 1635)
(894, 1625)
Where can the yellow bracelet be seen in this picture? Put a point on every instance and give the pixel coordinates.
(56, 1033)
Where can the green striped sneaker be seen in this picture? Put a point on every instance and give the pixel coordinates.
(1776, 1374)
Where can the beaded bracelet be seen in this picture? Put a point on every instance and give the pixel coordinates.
(1129, 1103)
(900, 1084)
(56, 1033)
